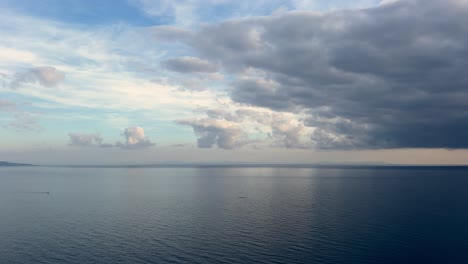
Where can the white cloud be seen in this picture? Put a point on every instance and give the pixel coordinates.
(9, 54)
(386, 2)
(215, 132)
(135, 138)
(107, 68)
(111, 68)
(236, 126)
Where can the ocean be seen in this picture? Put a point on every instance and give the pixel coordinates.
(231, 214)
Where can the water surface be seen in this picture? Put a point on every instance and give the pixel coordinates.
(233, 215)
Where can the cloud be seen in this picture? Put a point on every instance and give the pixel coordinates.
(222, 114)
(134, 139)
(190, 65)
(284, 130)
(24, 121)
(85, 140)
(267, 93)
(288, 132)
(170, 33)
(387, 2)
(155, 7)
(18, 118)
(382, 77)
(215, 132)
(231, 129)
(194, 12)
(192, 74)
(7, 106)
(46, 76)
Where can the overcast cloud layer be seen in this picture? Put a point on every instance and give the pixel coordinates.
(394, 76)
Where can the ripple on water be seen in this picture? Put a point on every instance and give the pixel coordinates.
(233, 216)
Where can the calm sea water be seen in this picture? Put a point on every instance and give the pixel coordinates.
(233, 215)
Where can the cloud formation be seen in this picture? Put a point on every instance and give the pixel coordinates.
(230, 129)
(215, 132)
(190, 65)
(24, 121)
(383, 77)
(18, 118)
(85, 140)
(46, 76)
(283, 130)
(189, 12)
(7, 106)
(134, 139)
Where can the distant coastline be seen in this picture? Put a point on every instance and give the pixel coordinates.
(342, 165)
(271, 165)
(12, 164)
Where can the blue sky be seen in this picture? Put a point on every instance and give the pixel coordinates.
(143, 81)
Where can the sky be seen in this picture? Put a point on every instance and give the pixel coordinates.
(208, 81)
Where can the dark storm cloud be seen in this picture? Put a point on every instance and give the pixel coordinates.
(393, 76)
(189, 64)
(261, 92)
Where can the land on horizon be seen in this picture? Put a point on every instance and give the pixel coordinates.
(6, 163)
(236, 164)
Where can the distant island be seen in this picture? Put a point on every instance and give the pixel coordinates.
(11, 164)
